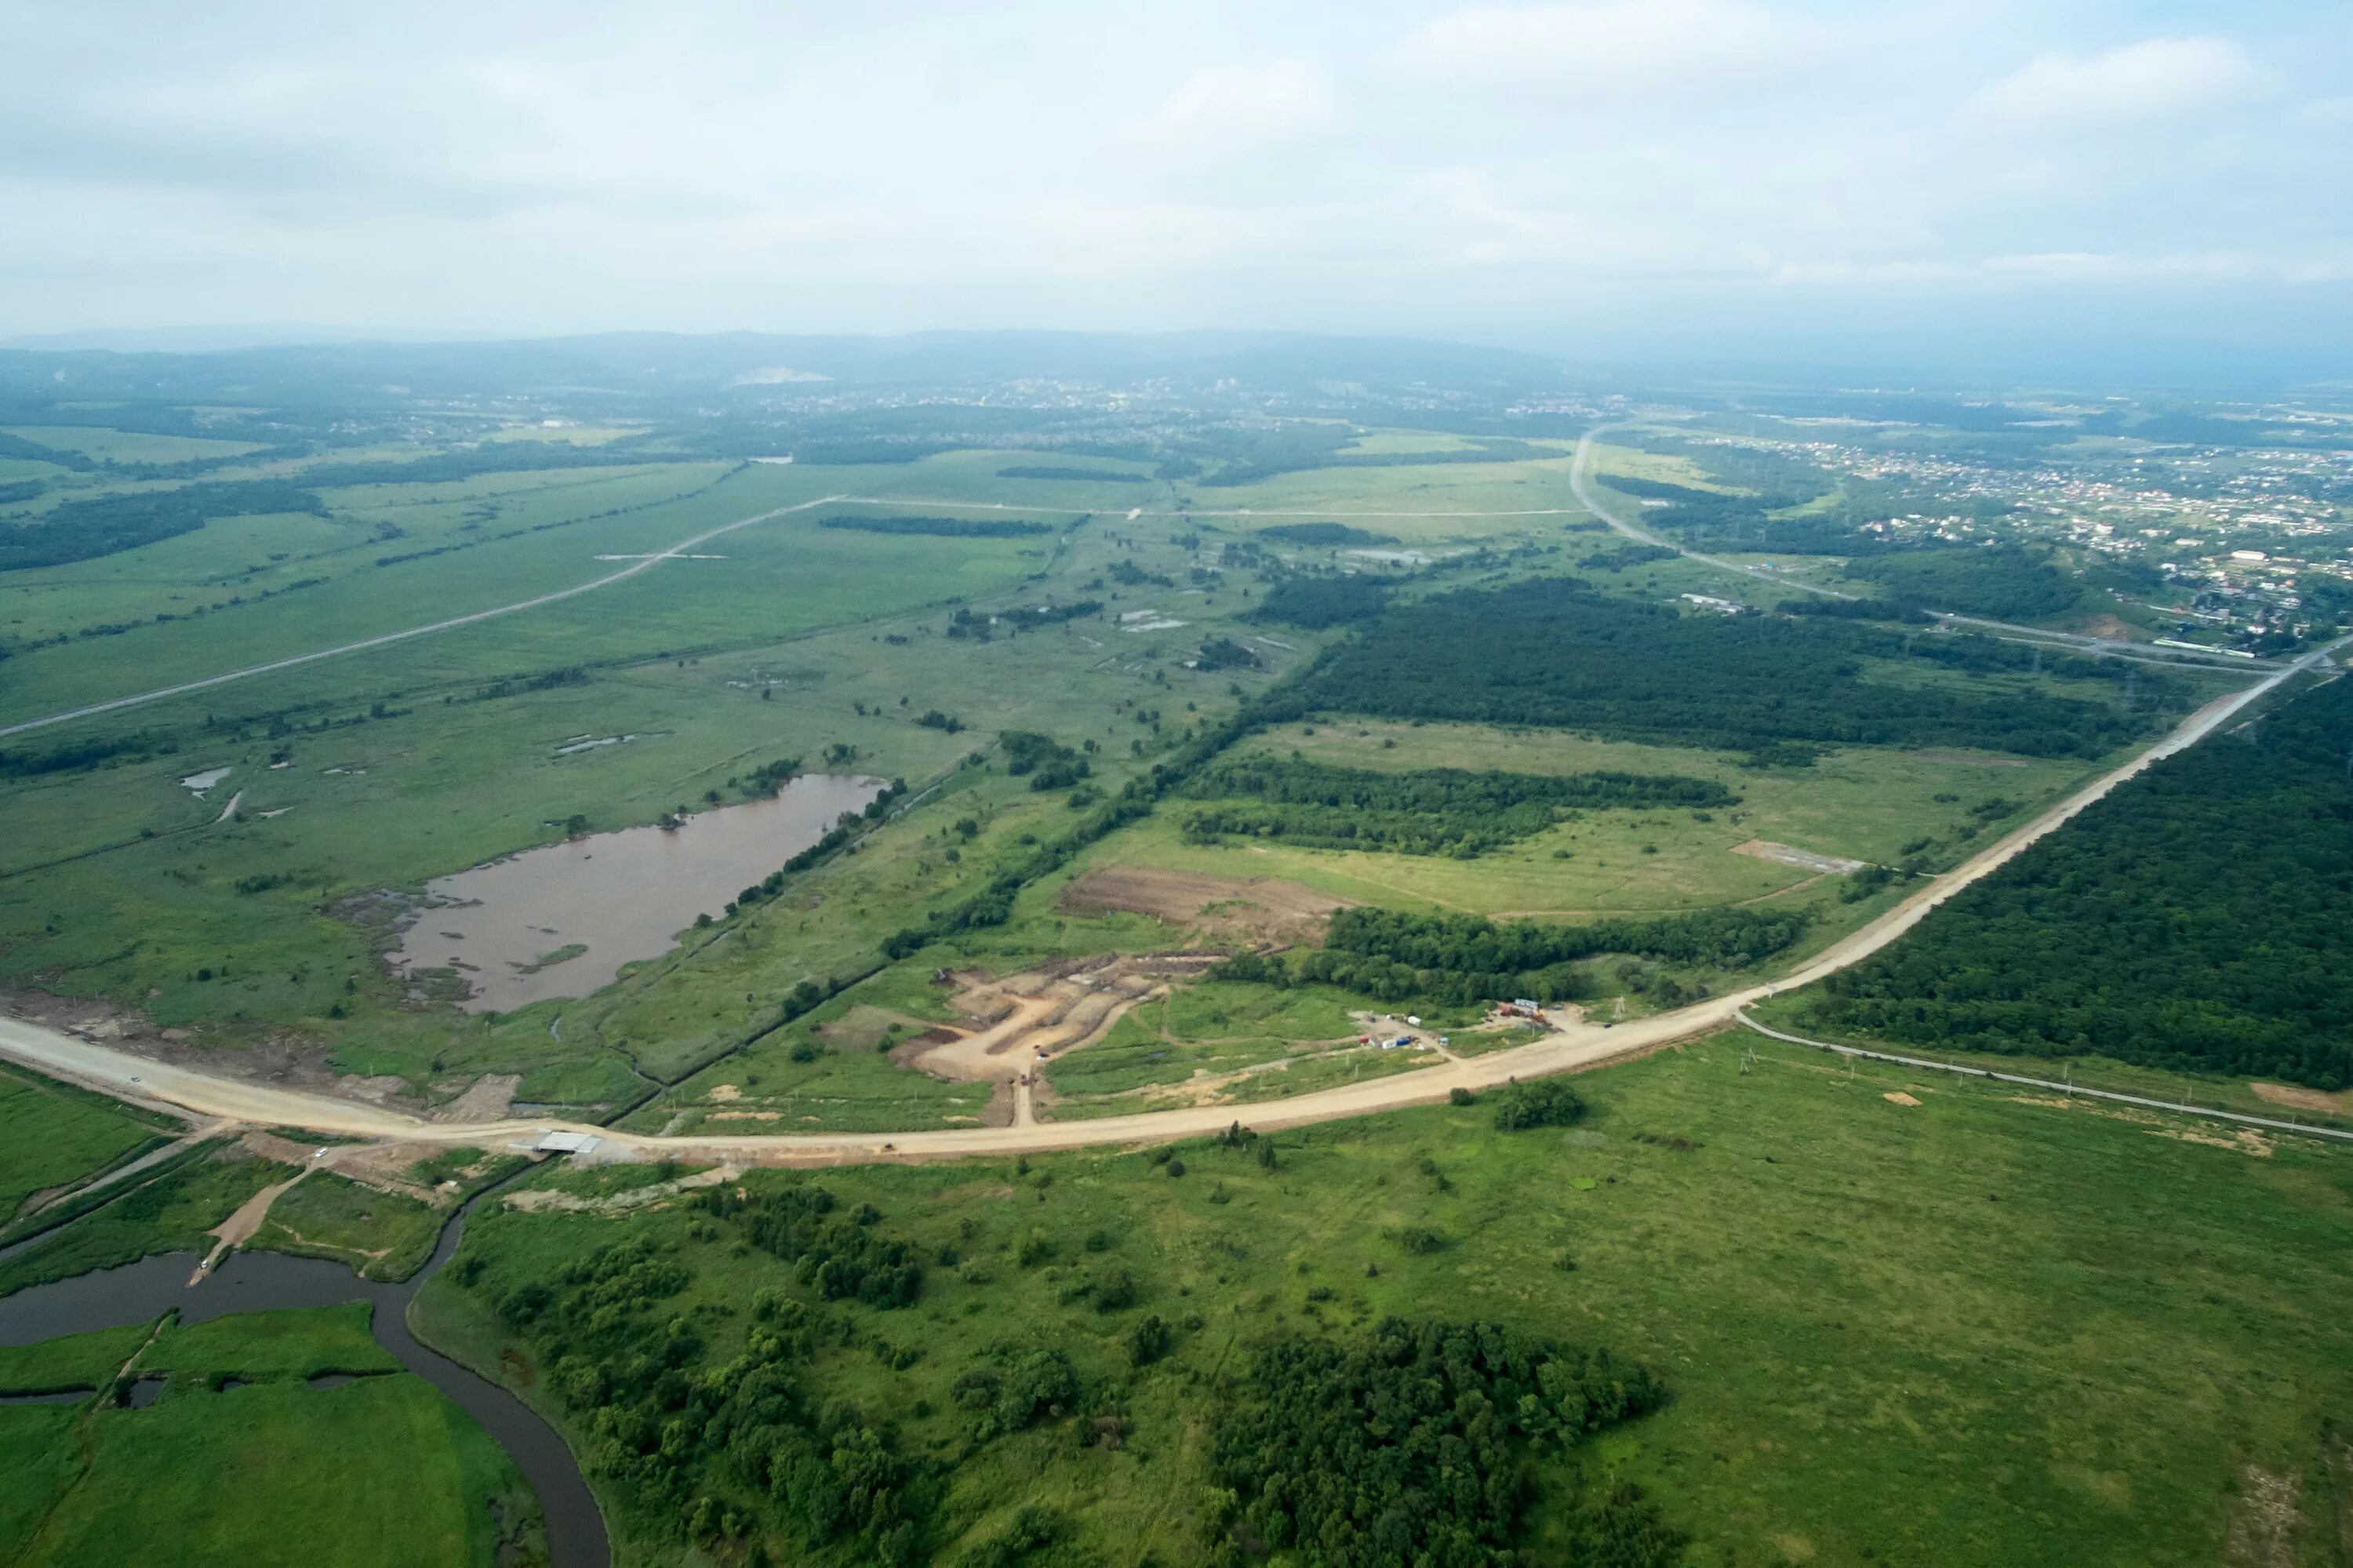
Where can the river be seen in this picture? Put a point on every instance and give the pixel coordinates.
(260, 1281)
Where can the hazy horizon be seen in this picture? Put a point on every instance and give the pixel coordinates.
(2130, 189)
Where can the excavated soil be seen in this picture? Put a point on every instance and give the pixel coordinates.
(1259, 906)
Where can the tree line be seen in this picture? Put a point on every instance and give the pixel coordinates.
(1434, 810)
(83, 529)
(1464, 959)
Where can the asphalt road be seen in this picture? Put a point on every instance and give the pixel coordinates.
(192, 1089)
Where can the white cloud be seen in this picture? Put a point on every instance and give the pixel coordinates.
(1634, 44)
(2157, 78)
(1225, 108)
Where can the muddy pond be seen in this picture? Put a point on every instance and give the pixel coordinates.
(561, 919)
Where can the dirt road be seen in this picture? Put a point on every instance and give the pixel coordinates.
(646, 564)
(1572, 1046)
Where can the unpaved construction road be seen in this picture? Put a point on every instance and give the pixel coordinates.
(645, 564)
(1580, 1045)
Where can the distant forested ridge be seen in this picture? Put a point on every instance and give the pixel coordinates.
(1435, 810)
(941, 528)
(1553, 652)
(81, 530)
(2200, 918)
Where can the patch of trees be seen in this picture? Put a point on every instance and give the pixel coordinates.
(1625, 557)
(1464, 959)
(1317, 603)
(842, 1255)
(79, 755)
(1045, 761)
(1413, 1445)
(546, 681)
(946, 723)
(1469, 959)
(2199, 918)
(1540, 1102)
(2002, 583)
(684, 1441)
(939, 527)
(1553, 652)
(23, 450)
(1291, 448)
(1714, 520)
(1034, 617)
(495, 457)
(1434, 810)
(1025, 1384)
(848, 828)
(772, 776)
(1321, 534)
(1073, 475)
(1225, 653)
(20, 489)
(1127, 574)
(83, 529)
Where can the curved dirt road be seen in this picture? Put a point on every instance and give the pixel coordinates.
(1583, 1046)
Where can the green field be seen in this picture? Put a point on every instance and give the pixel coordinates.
(1864, 1309)
(53, 1137)
(382, 1235)
(170, 1213)
(267, 1470)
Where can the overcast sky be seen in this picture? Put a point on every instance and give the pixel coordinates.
(1597, 170)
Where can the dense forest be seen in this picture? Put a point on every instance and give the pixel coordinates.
(1409, 1447)
(1435, 810)
(2002, 583)
(81, 530)
(2198, 917)
(1464, 959)
(1553, 652)
(1316, 604)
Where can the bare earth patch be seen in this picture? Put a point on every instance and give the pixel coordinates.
(2302, 1098)
(2267, 1519)
(1899, 1098)
(1788, 854)
(487, 1098)
(1261, 905)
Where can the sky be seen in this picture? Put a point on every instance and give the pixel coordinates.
(1616, 177)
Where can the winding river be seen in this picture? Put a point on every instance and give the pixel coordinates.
(256, 1282)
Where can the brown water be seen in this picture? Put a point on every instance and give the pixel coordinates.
(621, 896)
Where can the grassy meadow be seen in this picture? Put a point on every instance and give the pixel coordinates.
(1976, 1329)
(267, 1469)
